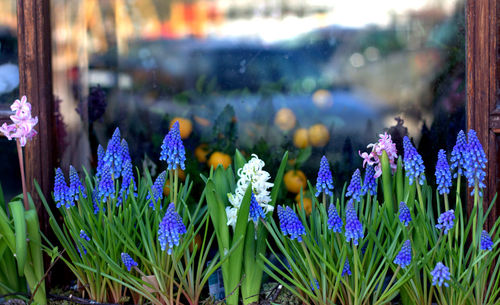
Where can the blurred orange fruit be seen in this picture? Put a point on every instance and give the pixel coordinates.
(318, 135)
(322, 99)
(202, 121)
(300, 138)
(217, 158)
(285, 119)
(185, 126)
(182, 175)
(201, 153)
(197, 242)
(306, 205)
(295, 180)
(166, 188)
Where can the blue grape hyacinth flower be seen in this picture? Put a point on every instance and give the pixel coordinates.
(125, 152)
(172, 149)
(443, 174)
(347, 268)
(458, 154)
(128, 261)
(84, 235)
(475, 162)
(100, 161)
(335, 223)
(353, 227)
(156, 190)
(171, 229)
(404, 214)
(75, 185)
(486, 242)
(354, 188)
(127, 180)
(256, 210)
(370, 182)
(113, 156)
(403, 258)
(106, 186)
(414, 165)
(315, 285)
(290, 223)
(324, 182)
(61, 191)
(446, 221)
(440, 275)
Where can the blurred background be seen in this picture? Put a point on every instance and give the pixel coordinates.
(311, 77)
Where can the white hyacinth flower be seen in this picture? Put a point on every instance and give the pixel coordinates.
(252, 172)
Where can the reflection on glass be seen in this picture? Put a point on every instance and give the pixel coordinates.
(9, 71)
(9, 91)
(312, 77)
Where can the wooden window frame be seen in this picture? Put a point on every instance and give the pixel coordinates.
(34, 40)
(483, 115)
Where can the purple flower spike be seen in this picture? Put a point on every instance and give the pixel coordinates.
(403, 258)
(315, 285)
(170, 229)
(354, 188)
(106, 185)
(113, 156)
(446, 221)
(128, 178)
(157, 190)
(61, 190)
(347, 268)
(256, 210)
(486, 242)
(458, 154)
(290, 223)
(475, 162)
(75, 185)
(324, 183)
(335, 223)
(370, 182)
(404, 214)
(125, 154)
(128, 261)
(414, 165)
(353, 228)
(443, 174)
(440, 275)
(100, 161)
(172, 149)
(84, 235)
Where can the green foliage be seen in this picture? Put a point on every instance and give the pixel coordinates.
(21, 260)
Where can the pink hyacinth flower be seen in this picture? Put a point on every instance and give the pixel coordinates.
(23, 124)
(373, 158)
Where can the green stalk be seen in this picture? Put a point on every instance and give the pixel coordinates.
(176, 182)
(387, 183)
(399, 181)
(356, 269)
(419, 193)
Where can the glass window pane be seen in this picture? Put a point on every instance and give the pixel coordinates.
(261, 76)
(9, 91)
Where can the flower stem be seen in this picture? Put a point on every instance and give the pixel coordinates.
(176, 182)
(23, 177)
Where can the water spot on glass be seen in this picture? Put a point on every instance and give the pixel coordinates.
(357, 60)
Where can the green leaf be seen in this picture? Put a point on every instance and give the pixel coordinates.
(239, 160)
(17, 210)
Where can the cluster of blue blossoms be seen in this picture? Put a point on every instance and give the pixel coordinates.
(64, 194)
(170, 230)
(324, 183)
(290, 223)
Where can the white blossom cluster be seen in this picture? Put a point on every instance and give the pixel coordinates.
(251, 172)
